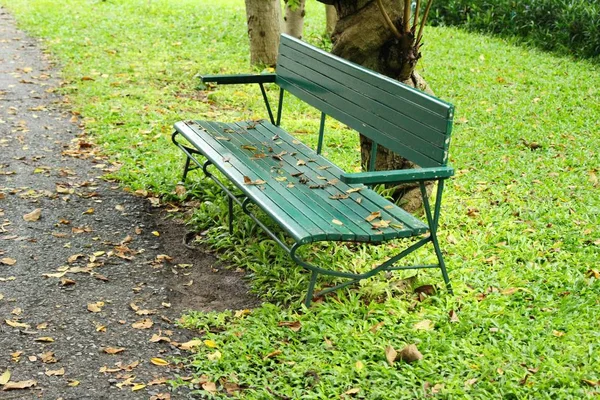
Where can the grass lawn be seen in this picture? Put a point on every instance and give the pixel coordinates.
(519, 224)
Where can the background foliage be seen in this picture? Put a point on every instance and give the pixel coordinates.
(565, 26)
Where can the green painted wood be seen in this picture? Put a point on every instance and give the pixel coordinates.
(362, 110)
(303, 232)
(388, 84)
(315, 199)
(238, 79)
(272, 190)
(401, 118)
(371, 201)
(398, 176)
(394, 108)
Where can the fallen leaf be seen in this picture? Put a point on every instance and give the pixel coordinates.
(373, 215)
(390, 354)
(214, 356)
(425, 325)
(453, 316)
(138, 386)
(73, 383)
(8, 261)
(19, 385)
(210, 387)
(113, 350)
(46, 339)
(32, 358)
(410, 354)
(156, 338)
(272, 354)
(337, 222)
(67, 282)
(16, 324)
(210, 343)
(89, 211)
(429, 290)
(510, 291)
(56, 372)
(33, 216)
(470, 382)
(48, 357)
(352, 391)
(159, 361)
(143, 324)
(190, 344)
(95, 307)
(294, 326)
(5, 377)
(558, 333)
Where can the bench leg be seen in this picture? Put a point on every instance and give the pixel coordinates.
(186, 169)
(311, 288)
(230, 201)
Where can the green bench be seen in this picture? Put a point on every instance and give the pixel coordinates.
(308, 196)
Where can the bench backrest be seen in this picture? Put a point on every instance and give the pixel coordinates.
(407, 121)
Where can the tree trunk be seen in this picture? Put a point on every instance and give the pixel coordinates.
(264, 27)
(362, 36)
(331, 19)
(294, 17)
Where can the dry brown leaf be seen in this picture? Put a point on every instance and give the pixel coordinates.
(294, 326)
(272, 354)
(5, 377)
(74, 258)
(510, 291)
(352, 391)
(48, 357)
(73, 383)
(156, 338)
(425, 325)
(113, 350)
(143, 324)
(67, 282)
(337, 222)
(33, 216)
(453, 316)
(95, 307)
(8, 261)
(190, 344)
(390, 354)
(56, 372)
(45, 339)
(19, 385)
(16, 324)
(373, 215)
(410, 354)
(210, 387)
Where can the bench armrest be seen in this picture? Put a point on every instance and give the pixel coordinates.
(402, 175)
(241, 78)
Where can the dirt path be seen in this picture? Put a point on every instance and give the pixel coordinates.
(100, 249)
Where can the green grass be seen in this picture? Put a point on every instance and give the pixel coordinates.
(519, 225)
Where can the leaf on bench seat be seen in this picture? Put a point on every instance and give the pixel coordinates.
(281, 179)
(248, 181)
(324, 167)
(373, 215)
(357, 189)
(337, 222)
(339, 196)
(248, 147)
(301, 162)
(222, 138)
(258, 156)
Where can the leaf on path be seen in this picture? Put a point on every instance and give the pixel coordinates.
(159, 361)
(33, 216)
(45, 339)
(74, 258)
(48, 357)
(55, 274)
(16, 324)
(8, 261)
(5, 377)
(88, 211)
(157, 381)
(95, 307)
(113, 350)
(67, 282)
(390, 354)
(73, 383)
(56, 372)
(143, 324)
(190, 344)
(138, 386)
(42, 326)
(19, 385)
(156, 338)
(1, 296)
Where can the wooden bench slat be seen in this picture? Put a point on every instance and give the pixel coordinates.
(410, 117)
(314, 199)
(297, 209)
(339, 97)
(298, 228)
(395, 88)
(372, 201)
(369, 131)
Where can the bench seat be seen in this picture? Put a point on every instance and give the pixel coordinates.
(297, 187)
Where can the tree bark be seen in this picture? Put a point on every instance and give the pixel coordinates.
(330, 18)
(294, 18)
(264, 28)
(362, 36)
